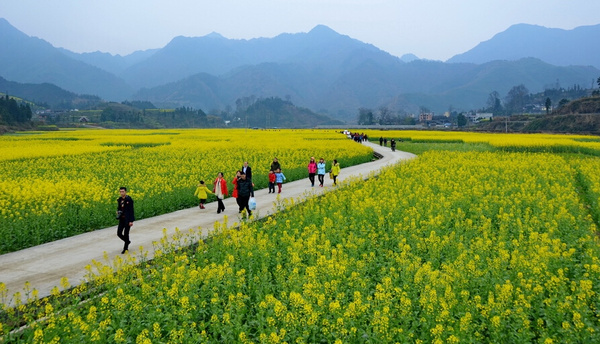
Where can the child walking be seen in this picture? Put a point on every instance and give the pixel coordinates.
(272, 179)
(202, 192)
(279, 178)
(335, 171)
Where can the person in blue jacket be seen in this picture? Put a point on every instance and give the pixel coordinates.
(279, 178)
(321, 171)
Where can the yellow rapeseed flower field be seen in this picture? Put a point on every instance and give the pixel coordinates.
(59, 184)
(508, 142)
(452, 247)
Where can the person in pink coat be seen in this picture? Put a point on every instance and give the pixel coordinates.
(312, 171)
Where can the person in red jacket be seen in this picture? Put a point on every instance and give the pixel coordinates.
(272, 178)
(220, 190)
(312, 170)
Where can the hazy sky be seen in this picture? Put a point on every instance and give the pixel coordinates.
(432, 29)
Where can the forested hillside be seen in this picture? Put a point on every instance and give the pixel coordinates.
(48, 95)
(276, 112)
(13, 112)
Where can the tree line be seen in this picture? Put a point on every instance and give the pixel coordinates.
(384, 116)
(519, 100)
(12, 112)
(145, 115)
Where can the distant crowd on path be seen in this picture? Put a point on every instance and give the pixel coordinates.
(360, 138)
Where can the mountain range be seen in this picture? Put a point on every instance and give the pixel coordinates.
(28, 59)
(321, 70)
(555, 46)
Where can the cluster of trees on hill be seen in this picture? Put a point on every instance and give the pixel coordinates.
(519, 100)
(12, 112)
(139, 104)
(385, 116)
(275, 112)
(145, 115)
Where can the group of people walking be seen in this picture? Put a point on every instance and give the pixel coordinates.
(318, 169)
(383, 142)
(276, 176)
(243, 187)
(243, 191)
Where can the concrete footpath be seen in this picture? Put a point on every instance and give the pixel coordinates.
(43, 266)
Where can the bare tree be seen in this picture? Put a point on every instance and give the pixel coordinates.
(365, 116)
(494, 104)
(385, 115)
(516, 99)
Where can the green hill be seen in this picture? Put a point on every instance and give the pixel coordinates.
(585, 105)
(276, 112)
(581, 116)
(47, 95)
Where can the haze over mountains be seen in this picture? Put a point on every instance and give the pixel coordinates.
(322, 70)
(28, 59)
(555, 46)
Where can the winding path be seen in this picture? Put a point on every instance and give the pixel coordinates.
(43, 266)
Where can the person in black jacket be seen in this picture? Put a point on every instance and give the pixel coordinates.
(126, 216)
(247, 170)
(275, 165)
(245, 191)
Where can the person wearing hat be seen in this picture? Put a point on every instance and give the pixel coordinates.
(312, 170)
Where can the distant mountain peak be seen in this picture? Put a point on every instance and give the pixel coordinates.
(323, 30)
(409, 57)
(215, 35)
(525, 25)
